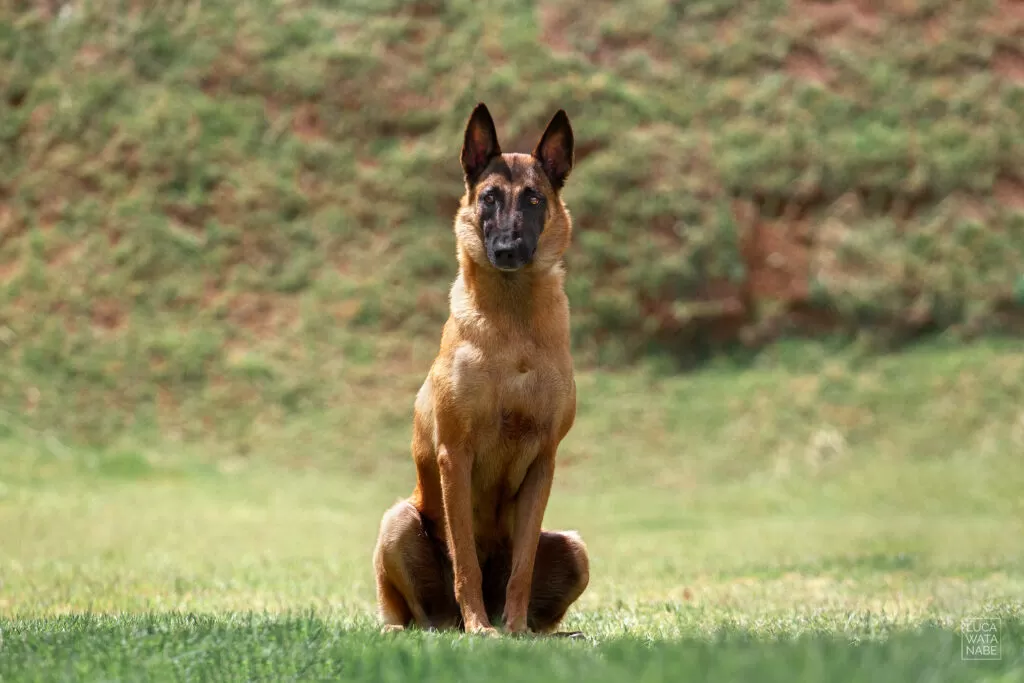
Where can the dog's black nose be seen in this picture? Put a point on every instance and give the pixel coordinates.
(507, 252)
(506, 257)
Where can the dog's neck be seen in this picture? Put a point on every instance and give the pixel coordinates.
(507, 299)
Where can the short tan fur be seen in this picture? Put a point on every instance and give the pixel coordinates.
(466, 549)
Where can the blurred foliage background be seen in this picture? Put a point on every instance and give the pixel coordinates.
(218, 216)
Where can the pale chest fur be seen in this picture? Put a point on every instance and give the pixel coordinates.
(515, 394)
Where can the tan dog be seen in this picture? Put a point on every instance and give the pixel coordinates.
(467, 549)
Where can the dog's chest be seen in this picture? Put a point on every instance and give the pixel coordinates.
(517, 395)
(520, 386)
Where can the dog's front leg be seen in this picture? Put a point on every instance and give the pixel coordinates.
(456, 493)
(529, 514)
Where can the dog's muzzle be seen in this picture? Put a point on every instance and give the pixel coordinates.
(510, 254)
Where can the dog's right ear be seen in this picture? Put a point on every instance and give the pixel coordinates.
(480, 144)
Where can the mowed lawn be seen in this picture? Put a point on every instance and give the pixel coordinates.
(806, 518)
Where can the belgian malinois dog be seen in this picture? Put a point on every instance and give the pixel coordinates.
(466, 550)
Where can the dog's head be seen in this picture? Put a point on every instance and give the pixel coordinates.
(512, 217)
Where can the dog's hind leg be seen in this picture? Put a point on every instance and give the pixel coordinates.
(561, 573)
(411, 579)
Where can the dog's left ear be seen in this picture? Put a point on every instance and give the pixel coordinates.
(555, 150)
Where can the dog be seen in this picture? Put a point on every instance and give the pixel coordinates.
(466, 550)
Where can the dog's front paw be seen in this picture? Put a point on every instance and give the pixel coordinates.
(486, 631)
(515, 625)
(491, 632)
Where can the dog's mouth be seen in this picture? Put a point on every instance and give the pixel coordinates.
(509, 269)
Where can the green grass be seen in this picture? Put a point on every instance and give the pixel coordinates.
(811, 517)
(304, 647)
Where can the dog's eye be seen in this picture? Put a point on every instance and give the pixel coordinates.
(535, 200)
(488, 199)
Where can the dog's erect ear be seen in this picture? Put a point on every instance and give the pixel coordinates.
(480, 144)
(555, 149)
